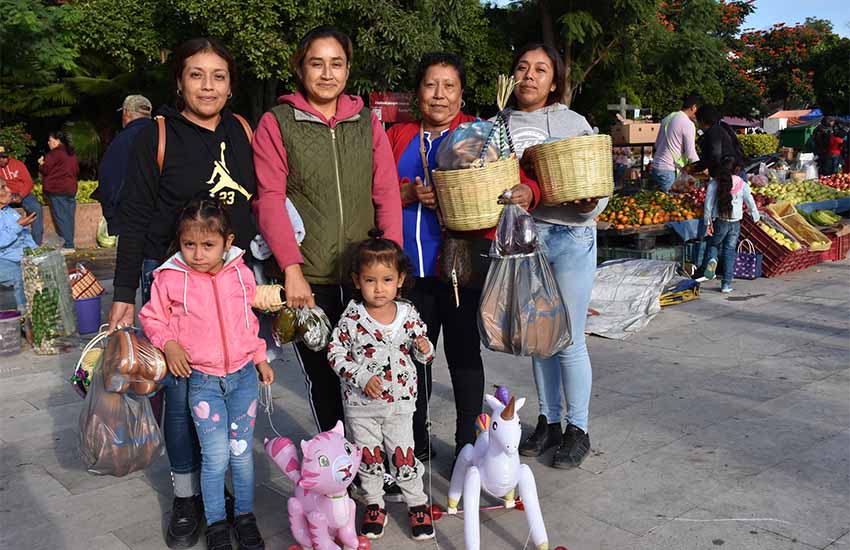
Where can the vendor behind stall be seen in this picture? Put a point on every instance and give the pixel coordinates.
(719, 143)
(675, 146)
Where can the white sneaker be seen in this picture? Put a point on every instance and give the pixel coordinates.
(68, 251)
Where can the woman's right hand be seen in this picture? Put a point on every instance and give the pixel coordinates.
(298, 291)
(121, 314)
(177, 359)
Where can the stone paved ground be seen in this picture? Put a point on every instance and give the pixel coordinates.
(723, 424)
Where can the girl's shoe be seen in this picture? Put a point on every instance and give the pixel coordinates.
(185, 523)
(218, 536)
(374, 521)
(421, 526)
(710, 269)
(726, 288)
(573, 449)
(247, 534)
(545, 435)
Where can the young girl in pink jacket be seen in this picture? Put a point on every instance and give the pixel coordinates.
(200, 316)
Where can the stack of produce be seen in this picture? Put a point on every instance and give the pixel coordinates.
(837, 181)
(821, 218)
(50, 307)
(648, 208)
(802, 191)
(779, 236)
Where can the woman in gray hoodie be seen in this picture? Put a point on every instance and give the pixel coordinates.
(569, 234)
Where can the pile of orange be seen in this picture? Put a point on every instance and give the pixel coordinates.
(648, 208)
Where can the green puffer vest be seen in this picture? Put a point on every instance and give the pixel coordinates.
(330, 184)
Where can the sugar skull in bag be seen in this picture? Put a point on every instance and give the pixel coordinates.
(521, 309)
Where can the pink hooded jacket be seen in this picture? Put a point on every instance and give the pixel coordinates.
(272, 169)
(209, 315)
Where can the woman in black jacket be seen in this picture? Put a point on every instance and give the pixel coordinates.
(205, 150)
(718, 142)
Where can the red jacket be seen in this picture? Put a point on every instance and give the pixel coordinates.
(59, 172)
(401, 135)
(17, 177)
(270, 164)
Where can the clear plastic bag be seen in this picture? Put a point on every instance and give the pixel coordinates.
(131, 363)
(118, 433)
(461, 148)
(521, 309)
(50, 306)
(308, 325)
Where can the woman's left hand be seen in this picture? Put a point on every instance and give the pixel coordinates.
(521, 195)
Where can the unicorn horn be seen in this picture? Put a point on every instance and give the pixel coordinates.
(508, 412)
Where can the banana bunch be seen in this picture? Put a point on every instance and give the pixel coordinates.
(780, 237)
(824, 218)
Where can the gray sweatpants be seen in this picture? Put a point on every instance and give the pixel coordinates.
(391, 434)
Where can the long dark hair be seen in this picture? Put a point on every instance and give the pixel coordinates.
(557, 66)
(63, 138)
(723, 177)
(200, 45)
(377, 249)
(322, 31)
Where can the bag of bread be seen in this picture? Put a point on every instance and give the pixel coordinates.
(118, 432)
(131, 363)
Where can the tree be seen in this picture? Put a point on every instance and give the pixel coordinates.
(831, 78)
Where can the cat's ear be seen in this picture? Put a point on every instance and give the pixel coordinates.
(494, 404)
(519, 403)
(339, 428)
(305, 448)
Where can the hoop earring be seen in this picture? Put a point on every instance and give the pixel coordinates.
(462, 104)
(179, 92)
(230, 95)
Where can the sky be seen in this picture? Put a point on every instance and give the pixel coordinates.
(769, 12)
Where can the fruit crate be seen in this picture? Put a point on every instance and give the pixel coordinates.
(665, 253)
(839, 250)
(777, 260)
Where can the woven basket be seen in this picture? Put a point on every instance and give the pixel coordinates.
(574, 168)
(469, 197)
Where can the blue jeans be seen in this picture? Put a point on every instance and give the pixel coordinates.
(224, 409)
(571, 251)
(30, 204)
(724, 241)
(11, 275)
(663, 179)
(181, 441)
(63, 209)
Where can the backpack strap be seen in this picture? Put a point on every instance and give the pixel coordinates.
(160, 147)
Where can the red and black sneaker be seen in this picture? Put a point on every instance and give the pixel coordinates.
(421, 526)
(374, 521)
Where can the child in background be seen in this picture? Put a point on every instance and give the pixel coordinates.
(14, 238)
(200, 316)
(372, 351)
(724, 199)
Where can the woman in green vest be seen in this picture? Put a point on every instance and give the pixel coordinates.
(329, 155)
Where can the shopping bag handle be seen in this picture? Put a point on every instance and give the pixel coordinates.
(750, 248)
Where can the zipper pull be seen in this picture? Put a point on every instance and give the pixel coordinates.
(454, 285)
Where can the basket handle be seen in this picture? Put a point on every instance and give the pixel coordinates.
(102, 334)
(750, 248)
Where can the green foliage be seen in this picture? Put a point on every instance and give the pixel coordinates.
(85, 188)
(18, 142)
(758, 144)
(831, 79)
(84, 138)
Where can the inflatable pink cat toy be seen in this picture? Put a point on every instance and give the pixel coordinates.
(321, 514)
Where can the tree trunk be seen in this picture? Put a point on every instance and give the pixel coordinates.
(546, 23)
(567, 93)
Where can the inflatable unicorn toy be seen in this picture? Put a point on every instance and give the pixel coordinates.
(493, 465)
(320, 512)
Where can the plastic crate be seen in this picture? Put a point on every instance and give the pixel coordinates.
(777, 260)
(839, 250)
(665, 253)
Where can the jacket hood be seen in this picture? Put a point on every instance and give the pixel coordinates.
(231, 261)
(347, 107)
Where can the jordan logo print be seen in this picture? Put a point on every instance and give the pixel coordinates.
(223, 184)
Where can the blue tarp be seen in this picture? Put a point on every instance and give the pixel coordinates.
(688, 230)
(838, 205)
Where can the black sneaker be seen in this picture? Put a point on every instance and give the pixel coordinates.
(392, 492)
(545, 435)
(185, 523)
(573, 448)
(374, 521)
(218, 536)
(421, 526)
(247, 534)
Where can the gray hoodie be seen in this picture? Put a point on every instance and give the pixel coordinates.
(553, 121)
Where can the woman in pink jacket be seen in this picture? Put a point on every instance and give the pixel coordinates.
(327, 153)
(200, 316)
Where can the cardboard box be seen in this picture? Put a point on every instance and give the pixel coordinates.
(634, 133)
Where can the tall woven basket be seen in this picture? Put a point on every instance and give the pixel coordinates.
(574, 168)
(469, 197)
